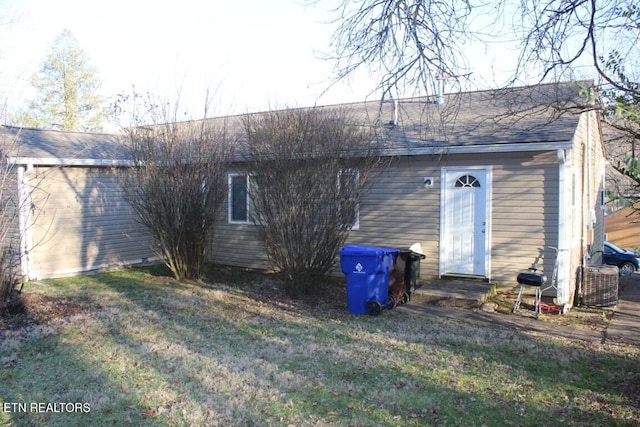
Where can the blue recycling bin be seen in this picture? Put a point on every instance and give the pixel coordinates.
(367, 273)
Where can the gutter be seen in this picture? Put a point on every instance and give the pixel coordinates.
(390, 152)
(478, 149)
(429, 150)
(50, 161)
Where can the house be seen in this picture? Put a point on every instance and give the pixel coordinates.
(69, 212)
(487, 182)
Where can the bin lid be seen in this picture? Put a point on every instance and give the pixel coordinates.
(415, 252)
(366, 250)
(417, 248)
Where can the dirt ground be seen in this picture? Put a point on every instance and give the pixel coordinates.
(33, 309)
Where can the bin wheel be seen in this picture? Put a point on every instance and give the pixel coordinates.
(374, 308)
(405, 298)
(391, 302)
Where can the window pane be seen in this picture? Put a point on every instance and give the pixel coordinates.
(467, 181)
(348, 185)
(239, 198)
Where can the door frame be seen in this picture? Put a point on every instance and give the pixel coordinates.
(444, 194)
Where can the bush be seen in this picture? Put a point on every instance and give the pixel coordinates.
(308, 172)
(9, 281)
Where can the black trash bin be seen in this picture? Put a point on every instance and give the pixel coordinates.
(412, 272)
(404, 278)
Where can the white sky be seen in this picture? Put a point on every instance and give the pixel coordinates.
(262, 53)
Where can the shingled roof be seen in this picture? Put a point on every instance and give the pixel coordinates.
(518, 119)
(51, 147)
(529, 118)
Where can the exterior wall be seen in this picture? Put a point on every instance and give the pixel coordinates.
(598, 185)
(399, 210)
(593, 157)
(9, 220)
(581, 211)
(81, 223)
(237, 244)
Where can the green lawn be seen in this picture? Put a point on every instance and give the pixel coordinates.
(136, 348)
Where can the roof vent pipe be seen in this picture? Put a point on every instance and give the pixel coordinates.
(440, 89)
(395, 112)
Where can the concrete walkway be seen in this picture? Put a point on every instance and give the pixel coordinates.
(624, 327)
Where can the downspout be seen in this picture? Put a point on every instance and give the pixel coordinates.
(589, 160)
(561, 155)
(25, 222)
(591, 220)
(440, 90)
(585, 254)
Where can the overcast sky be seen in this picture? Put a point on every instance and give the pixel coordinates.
(261, 53)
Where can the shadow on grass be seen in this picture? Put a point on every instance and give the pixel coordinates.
(160, 353)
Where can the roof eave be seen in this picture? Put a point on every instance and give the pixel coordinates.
(479, 149)
(45, 161)
(393, 152)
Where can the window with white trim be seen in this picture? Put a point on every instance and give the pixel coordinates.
(348, 190)
(238, 199)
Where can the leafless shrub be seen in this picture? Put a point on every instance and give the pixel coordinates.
(9, 231)
(177, 183)
(308, 171)
(410, 44)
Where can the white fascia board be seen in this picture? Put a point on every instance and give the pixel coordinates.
(48, 161)
(413, 151)
(479, 149)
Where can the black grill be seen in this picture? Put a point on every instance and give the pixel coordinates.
(532, 279)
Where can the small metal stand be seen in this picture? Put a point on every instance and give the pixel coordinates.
(530, 279)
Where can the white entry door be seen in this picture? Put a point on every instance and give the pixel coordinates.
(465, 221)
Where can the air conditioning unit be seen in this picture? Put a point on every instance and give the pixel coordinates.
(600, 286)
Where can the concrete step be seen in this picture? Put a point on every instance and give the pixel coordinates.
(454, 292)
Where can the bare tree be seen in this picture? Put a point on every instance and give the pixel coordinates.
(308, 170)
(9, 209)
(22, 197)
(177, 183)
(410, 44)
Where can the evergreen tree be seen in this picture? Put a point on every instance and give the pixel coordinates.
(66, 91)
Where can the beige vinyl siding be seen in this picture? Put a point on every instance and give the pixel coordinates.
(399, 211)
(524, 214)
(9, 221)
(82, 222)
(584, 170)
(589, 160)
(580, 231)
(598, 158)
(237, 244)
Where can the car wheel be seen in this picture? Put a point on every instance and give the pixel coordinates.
(627, 268)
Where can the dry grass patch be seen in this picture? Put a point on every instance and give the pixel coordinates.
(141, 349)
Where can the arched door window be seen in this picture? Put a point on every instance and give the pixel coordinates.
(467, 181)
